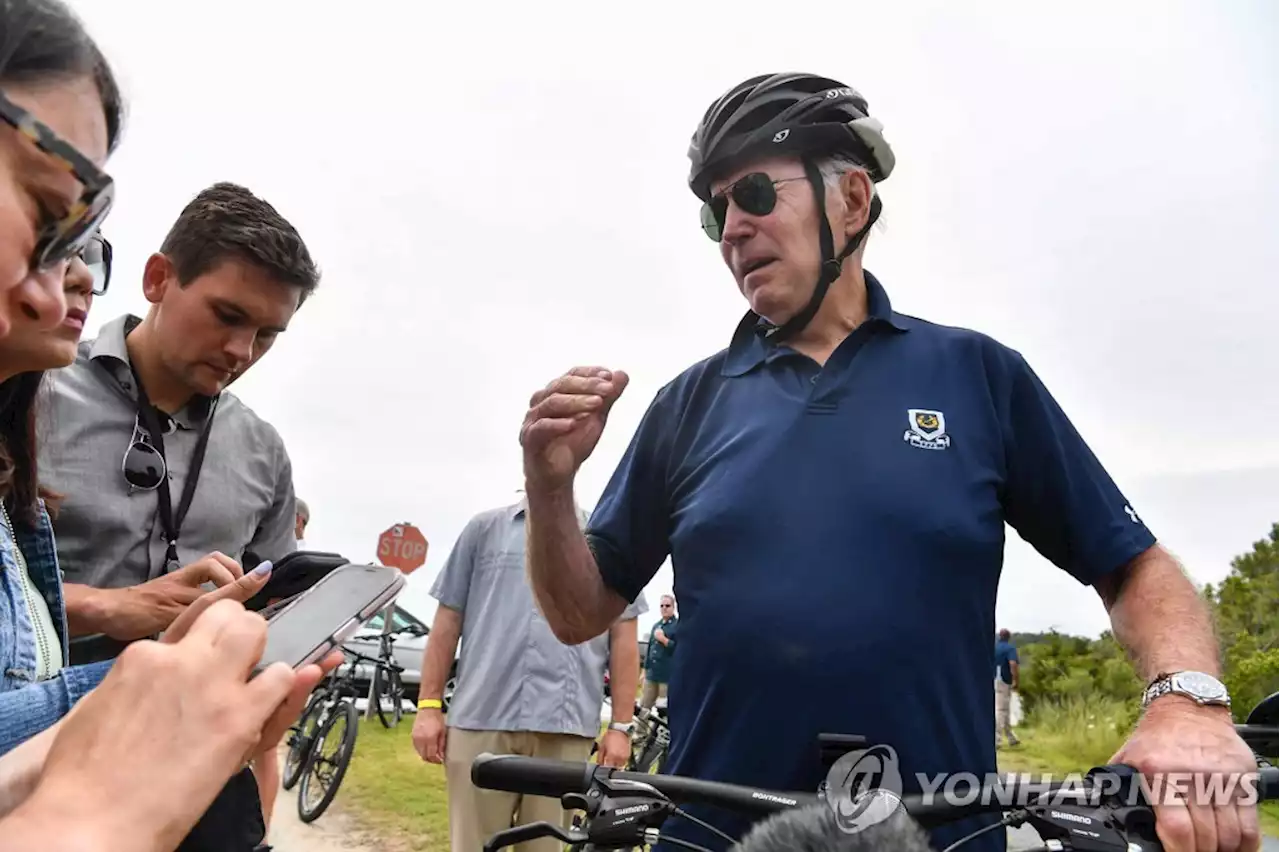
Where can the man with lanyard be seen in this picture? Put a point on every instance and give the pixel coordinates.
(161, 467)
(833, 488)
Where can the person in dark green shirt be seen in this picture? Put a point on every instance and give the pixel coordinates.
(657, 660)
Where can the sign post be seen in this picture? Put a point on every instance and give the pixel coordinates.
(402, 546)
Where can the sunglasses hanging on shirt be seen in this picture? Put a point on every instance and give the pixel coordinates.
(145, 469)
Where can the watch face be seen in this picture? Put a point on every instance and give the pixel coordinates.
(1201, 685)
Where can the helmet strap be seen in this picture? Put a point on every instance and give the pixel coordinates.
(831, 263)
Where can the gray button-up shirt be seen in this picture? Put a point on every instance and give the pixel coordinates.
(109, 535)
(513, 673)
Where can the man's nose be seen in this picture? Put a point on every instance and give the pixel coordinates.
(40, 298)
(240, 345)
(738, 225)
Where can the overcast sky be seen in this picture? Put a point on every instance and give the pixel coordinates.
(496, 193)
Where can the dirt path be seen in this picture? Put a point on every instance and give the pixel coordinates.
(334, 831)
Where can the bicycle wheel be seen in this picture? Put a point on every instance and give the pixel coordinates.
(328, 761)
(388, 692)
(301, 738)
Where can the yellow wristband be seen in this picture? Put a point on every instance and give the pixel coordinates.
(430, 703)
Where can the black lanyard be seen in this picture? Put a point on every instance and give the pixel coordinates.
(173, 526)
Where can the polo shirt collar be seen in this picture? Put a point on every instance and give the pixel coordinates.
(109, 350)
(749, 348)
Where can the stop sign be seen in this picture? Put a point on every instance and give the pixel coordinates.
(404, 547)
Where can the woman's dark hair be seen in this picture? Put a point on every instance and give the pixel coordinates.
(19, 478)
(43, 41)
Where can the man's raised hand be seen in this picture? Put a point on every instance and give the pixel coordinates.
(564, 423)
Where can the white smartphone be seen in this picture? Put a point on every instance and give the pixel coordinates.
(307, 627)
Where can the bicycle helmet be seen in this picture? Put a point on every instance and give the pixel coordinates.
(802, 115)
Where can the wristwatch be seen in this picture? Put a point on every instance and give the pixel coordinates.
(623, 727)
(1199, 687)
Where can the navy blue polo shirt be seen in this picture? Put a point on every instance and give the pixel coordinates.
(836, 537)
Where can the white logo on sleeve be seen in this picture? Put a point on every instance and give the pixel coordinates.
(1133, 516)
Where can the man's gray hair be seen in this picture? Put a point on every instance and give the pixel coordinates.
(836, 166)
(300, 507)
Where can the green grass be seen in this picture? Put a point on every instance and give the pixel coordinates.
(394, 793)
(1078, 735)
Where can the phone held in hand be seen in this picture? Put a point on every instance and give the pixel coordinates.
(308, 626)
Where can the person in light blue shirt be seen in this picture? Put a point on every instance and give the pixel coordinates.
(520, 690)
(1006, 685)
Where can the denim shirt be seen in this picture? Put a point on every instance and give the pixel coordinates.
(28, 707)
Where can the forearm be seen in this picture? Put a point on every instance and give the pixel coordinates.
(56, 818)
(437, 658)
(266, 771)
(87, 609)
(1159, 618)
(624, 669)
(563, 574)
(20, 769)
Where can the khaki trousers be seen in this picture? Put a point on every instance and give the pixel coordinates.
(475, 815)
(649, 696)
(1004, 694)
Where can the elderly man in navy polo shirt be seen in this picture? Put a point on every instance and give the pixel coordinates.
(833, 488)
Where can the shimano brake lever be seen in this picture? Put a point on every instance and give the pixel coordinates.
(533, 831)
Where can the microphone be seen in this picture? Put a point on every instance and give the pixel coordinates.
(881, 825)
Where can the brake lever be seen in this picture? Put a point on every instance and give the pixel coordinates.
(533, 831)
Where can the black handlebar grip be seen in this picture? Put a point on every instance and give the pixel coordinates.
(533, 776)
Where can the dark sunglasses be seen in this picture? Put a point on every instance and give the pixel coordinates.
(755, 194)
(97, 256)
(143, 466)
(59, 240)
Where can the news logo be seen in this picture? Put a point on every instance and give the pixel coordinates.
(864, 787)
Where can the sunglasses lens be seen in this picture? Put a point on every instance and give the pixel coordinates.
(68, 238)
(97, 256)
(755, 194)
(143, 466)
(713, 217)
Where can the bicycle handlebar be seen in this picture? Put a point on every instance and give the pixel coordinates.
(556, 778)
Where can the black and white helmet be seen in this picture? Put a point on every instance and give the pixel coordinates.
(801, 115)
(786, 114)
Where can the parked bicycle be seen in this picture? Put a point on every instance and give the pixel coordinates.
(321, 743)
(387, 688)
(624, 809)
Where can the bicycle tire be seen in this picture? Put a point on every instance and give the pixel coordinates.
(345, 711)
(297, 757)
(387, 683)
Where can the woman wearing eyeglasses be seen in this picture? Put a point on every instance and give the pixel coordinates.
(134, 763)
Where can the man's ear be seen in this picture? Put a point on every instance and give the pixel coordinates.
(856, 191)
(158, 276)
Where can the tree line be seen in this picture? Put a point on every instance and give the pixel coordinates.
(1059, 668)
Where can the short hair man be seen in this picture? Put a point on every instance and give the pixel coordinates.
(302, 517)
(161, 466)
(833, 489)
(657, 657)
(1006, 685)
(520, 690)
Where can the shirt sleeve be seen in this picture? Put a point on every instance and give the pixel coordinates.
(453, 583)
(30, 709)
(629, 530)
(635, 609)
(275, 534)
(1058, 497)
